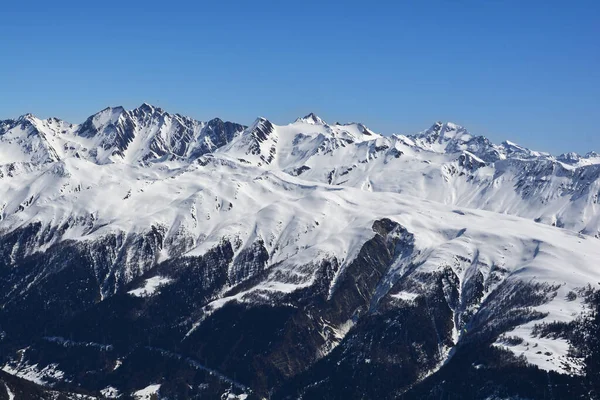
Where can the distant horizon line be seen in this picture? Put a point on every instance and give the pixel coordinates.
(589, 153)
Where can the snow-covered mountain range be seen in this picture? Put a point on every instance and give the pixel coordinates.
(251, 260)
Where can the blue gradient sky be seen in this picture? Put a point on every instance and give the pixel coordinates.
(527, 71)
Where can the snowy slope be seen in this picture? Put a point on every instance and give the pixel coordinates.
(445, 163)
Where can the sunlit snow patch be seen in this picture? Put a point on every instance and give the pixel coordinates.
(33, 373)
(406, 296)
(232, 396)
(150, 286)
(147, 392)
(110, 392)
(11, 395)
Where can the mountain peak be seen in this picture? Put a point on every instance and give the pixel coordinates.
(26, 117)
(149, 108)
(258, 121)
(444, 131)
(262, 126)
(312, 119)
(447, 126)
(109, 114)
(436, 127)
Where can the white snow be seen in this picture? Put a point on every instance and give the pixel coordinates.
(33, 373)
(232, 396)
(406, 296)
(151, 285)
(110, 392)
(11, 395)
(147, 392)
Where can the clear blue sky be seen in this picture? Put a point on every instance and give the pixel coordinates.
(527, 71)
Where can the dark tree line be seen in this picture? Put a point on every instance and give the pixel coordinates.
(586, 341)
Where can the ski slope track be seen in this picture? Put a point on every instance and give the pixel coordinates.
(325, 226)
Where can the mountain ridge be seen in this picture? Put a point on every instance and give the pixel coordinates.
(312, 118)
(445, 163)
